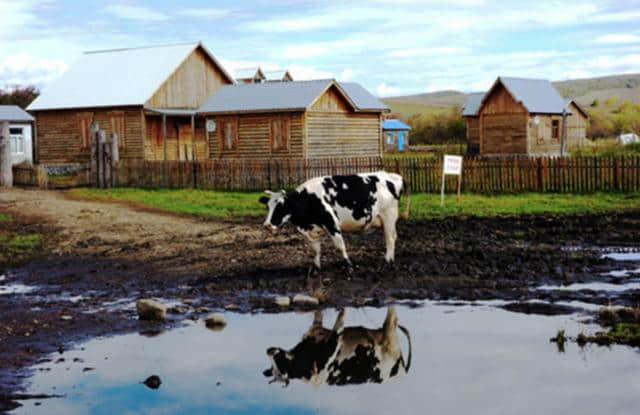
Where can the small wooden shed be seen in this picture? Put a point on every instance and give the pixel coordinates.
(524, 116)
(576, 124)
(249, 75)
(20, 133)
(297, 120)
(396, 135)
(148, 96)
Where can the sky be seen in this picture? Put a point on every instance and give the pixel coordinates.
(392, 47)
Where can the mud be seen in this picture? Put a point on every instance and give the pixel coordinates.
(98, 258)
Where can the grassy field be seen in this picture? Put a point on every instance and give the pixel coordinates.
(423, 206)
(15, 243)
(407, 109)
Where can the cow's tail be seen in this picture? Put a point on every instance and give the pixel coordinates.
(405, 189)
(406, 333)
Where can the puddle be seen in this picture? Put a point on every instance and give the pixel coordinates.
(16, 289)
(478, 359)
(594, 286)
(622, 273)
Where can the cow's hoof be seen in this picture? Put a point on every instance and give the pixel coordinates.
(313, 269)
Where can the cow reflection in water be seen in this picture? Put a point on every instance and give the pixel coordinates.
(342, 355)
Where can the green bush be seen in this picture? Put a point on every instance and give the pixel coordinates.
(438, 128)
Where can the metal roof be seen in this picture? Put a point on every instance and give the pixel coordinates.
(174, 112)
(362, 98)
(14, 113)
(283, 96)
(393, 124)
(472, 104)
(537, 95)
(116, 77)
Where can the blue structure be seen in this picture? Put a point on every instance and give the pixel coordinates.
(396, 135)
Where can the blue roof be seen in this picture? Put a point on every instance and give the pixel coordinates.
(394, 125)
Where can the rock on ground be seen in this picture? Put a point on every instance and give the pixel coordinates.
(215, 320)
(302, 299)
(151, 310)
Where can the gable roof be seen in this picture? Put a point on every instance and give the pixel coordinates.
(14, 113)
(279, 75)
(394, 124)
(249, 73)
(536, 95)
(117, 77)
(285, 96)
(472, 104)
(570, 101)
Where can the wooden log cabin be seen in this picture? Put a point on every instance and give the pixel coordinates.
(520, 116)
(472, 121)
(294, 120)
(148, 96)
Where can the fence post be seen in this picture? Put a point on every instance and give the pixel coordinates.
(100, 138)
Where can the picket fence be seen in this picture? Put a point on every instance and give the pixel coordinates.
(480, 175)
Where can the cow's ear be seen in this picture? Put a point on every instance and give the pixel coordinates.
(264, 200)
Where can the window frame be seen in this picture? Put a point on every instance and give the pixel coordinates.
(284, 134)
(222, 124)
(555, 129)
(14, 139)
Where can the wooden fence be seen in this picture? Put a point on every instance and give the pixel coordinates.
(480, 175)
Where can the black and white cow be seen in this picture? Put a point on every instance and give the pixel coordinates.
(342, 355)
(336, 204)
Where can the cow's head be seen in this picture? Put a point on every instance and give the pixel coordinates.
(282, 362)
(279, 212)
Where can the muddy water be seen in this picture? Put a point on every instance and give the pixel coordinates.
(471, 359)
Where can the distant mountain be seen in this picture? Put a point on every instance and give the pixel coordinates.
(585, 91)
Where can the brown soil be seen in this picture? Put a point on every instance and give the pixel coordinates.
(107, 252)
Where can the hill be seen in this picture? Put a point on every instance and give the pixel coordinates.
(585, 91)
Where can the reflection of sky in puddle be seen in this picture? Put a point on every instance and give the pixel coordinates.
(15, 289)
(624, 256)
(477, 360)
(595, 286)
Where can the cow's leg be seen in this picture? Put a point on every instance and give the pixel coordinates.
(339, 324)
(338, 242)
(314, 238)
(389, 219)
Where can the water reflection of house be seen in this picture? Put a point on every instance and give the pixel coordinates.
(20, 132)
(396, 135)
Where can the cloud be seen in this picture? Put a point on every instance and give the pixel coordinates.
(204, 12)
(384, 90)
(24, 69)
(617, 39)
(303, 73)
(435, 51)
(16, 15)
(136, 13)
(346, 75)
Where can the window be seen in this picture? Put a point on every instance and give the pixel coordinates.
(555, 129)
(117, 126)
(280, 134)
(84, 125)
(390, 140)
(16, 140)
(228, 134)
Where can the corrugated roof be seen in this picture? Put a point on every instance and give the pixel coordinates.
(283, 96)
(393, 124)
(14, 113)
(116, 77)
(472, 104)
(537, 95)
(362, 98)
(177, 112)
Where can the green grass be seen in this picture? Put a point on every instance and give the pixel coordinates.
(428, 205)
(4, 217)
(423, 206)
(407, 109)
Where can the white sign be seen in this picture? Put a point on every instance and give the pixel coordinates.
(211, 126)
(453, 165)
